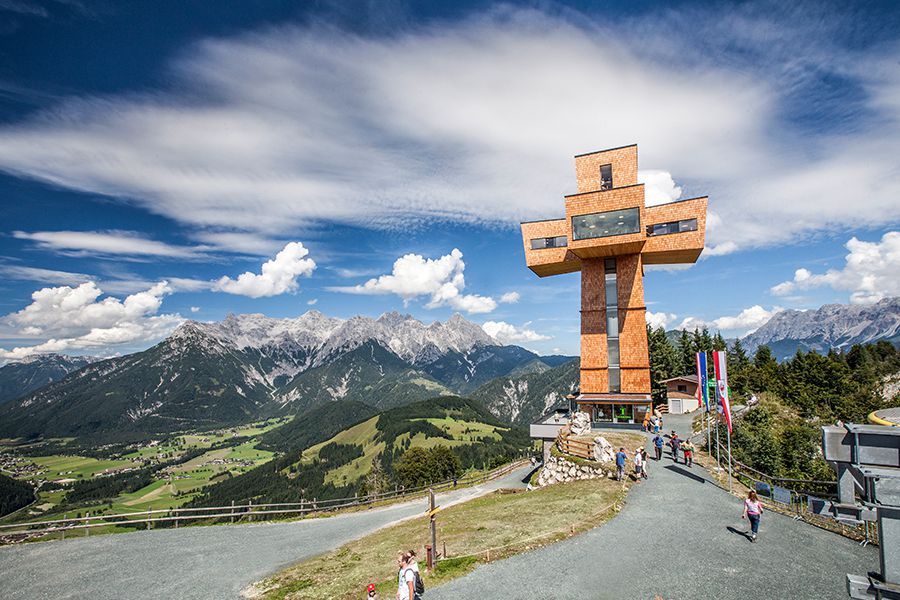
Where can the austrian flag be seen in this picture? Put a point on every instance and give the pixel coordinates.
(721, 371)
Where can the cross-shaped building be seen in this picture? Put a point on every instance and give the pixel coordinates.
(609, 234)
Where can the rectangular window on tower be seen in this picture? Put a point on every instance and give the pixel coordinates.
(606, 182)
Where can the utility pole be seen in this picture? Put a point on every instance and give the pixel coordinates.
(433, 513)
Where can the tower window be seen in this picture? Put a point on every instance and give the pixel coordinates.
(606, 181)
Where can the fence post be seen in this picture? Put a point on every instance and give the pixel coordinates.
(176, 518)
(249, 510)
(65, 517)
(87, 530)
(232, 511)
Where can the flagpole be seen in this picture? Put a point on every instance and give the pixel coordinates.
(730, 489)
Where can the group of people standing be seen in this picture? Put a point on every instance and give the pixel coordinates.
(639, 459)
(676, 444)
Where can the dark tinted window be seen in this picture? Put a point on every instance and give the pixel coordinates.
(606, 224)
(672, 227)
(550, 242)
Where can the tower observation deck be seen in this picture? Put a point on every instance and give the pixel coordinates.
(609, 234)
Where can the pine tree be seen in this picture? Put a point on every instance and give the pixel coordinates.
(686, 353)
(664, 361)
(739, 368)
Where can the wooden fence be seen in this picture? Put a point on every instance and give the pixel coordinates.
(11, 533)
(573, 446)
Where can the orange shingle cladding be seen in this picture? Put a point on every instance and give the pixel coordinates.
(631, 251)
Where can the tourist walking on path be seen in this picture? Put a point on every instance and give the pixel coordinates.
(753, 510)
(406, 578)
(644, 461)
(658, 445)
(620, 464)
(638, 465)
(654, 422)
(371, 594)
(674, 443)
(687, 447)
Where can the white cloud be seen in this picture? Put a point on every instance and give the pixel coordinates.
(744, 323)
(871, 272)
(278, 275)
(254, 134)
(441, 279)
(127, 243)
(70, 318)
(509, 334)
(659, 187)
(43, 275)
(659, 319)
(195, 309)
(312, 302)
(510, 298)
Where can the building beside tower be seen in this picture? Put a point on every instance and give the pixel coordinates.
(609, 234)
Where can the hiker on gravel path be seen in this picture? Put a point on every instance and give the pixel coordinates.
(638, 465)
(674, 443)
(406, 578)
(688, 447)
(646, 459)
(620, 464)
(753, 510)
(658, 445)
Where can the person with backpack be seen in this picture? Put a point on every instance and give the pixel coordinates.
(658, 446)
(412, 565)
(620, 464)
(674, 443)
(645, 459)
(406, 578)
(638, 465)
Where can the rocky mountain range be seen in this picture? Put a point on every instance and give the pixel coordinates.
(831, 326)
(251, 366)
(20, 378)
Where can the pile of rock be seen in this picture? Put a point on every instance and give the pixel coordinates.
(581, 423)
(603, 450)
(560, 470)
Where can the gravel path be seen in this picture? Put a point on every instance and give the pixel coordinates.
(679, 537)
(193, 563)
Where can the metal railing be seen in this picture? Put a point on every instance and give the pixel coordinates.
(796, 498)
(14, 532)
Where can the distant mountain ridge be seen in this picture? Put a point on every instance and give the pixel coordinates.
(836, 326)
(250, 366)
(21, 377)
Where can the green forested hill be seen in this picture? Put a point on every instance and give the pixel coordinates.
(14, 494)
(316, 425)
(343, 464)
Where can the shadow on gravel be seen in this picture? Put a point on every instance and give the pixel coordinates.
(743, 534)
(686, 473)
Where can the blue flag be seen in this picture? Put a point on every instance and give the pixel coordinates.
(702, 390)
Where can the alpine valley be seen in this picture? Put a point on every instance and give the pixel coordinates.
(252, 367)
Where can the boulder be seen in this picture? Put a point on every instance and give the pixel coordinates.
(603, 450)
(581, 423)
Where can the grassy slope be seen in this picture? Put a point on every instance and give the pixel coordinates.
(366, 435)
(514, 521)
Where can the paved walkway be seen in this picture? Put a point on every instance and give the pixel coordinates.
(679, 537)
(193, 563)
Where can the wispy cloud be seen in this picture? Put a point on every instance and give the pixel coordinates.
(128, 243)
(465, 121)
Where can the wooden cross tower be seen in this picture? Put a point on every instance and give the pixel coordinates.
(609, 234)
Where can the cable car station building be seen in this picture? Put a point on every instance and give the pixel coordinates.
(609, 234)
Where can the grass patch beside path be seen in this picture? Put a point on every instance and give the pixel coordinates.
(503, 523)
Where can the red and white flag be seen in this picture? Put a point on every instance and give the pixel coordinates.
(721, 371)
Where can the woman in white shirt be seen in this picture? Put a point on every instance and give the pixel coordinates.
(638, 464)
(753, 510)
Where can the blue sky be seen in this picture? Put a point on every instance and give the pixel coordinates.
(170, 160)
